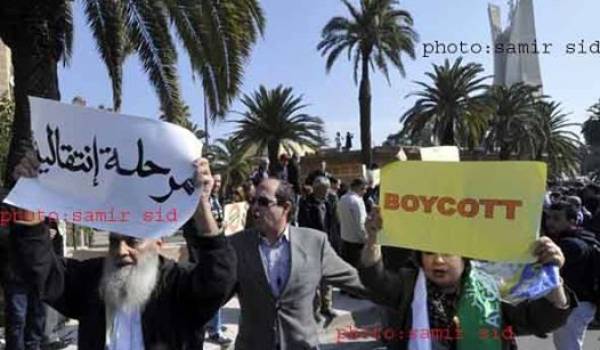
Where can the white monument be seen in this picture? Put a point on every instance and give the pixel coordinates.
(521, 64)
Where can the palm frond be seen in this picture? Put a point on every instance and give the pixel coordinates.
(105, 18)
(149, 31)
(272, 118)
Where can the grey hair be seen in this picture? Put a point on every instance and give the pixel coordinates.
(321, 181)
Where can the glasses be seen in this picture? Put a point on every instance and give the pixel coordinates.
(263, 202)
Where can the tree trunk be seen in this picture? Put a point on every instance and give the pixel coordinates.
(35, 74)
(273, 150)
(364, 100)
(448, 136)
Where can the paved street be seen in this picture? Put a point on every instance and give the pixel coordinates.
(359, 314)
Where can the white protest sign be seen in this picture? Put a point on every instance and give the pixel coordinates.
(440, 154)
(110, 171)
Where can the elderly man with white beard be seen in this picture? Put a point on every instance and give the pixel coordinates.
(133, 298)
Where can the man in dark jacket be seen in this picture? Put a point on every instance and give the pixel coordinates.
(133, 298)
(577, 245)
(317, 212)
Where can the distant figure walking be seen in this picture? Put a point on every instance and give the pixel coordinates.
(338, 141)
(349, 137)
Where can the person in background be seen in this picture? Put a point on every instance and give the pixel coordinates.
(249, 194)
(238, 195)
(353, 215)
(589, 191)
(25, 313)
(316, 212)
(262, 172)
(342, 190)
(333, 199)
(335, 185)
(214, 327)
(293, 172)
(576, 203)
(281, 171)
(578, 247)
(592, 223)
(54, 320)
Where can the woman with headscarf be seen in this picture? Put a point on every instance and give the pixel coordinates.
(444, 303)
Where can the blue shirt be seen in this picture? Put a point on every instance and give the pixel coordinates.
(276, 261)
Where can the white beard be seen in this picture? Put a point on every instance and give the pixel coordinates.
(129, 287)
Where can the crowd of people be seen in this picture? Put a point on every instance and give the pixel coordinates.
(301, 240)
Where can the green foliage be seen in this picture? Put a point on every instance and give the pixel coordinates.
(7, 109)
(232, 162)
(452, 105)
(559, 147)
(273, 118)
(591, 127)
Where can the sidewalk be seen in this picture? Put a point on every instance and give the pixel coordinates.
(351, 313)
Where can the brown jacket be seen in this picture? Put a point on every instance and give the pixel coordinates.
(396, 290)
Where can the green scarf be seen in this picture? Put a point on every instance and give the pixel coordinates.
(479, 313)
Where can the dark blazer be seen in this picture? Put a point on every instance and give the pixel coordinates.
(184, 299)
(309, 214)
(289, 318)
(396, 290)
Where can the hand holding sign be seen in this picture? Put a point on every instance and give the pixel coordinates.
(203, 178)
(373, 225)
(27, 167)
(204, 220)
(547, 252)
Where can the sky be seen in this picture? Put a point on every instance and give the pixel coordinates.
(287, 55)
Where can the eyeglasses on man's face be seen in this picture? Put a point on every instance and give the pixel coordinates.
(263, 202)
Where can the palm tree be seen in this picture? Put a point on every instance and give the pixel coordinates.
(453, 104)
(217, 35)
(591, 127)
(374, 35)
(558, 146)
(273, 120)
(423, 138)
(230, 160)
(187, 123)
(513, 125)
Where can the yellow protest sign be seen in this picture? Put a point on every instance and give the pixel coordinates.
(482, 210)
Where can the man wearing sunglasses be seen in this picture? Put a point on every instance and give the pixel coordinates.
(279, 268)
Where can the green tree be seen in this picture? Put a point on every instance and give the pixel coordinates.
(231, 161)
(273, 119)
(513, 127)
(591, 127)
(7, 110)
(187, 123)
(217, 35)
(453, 104)
(373, 36)
(557, 145)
